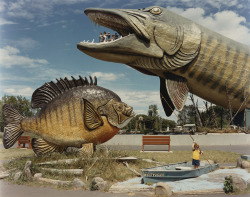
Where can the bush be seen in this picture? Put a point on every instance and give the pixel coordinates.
(228, 184)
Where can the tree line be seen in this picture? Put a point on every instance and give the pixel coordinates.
(22, 104)
(152, 122)
(211, 116)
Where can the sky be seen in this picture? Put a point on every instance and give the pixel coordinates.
(38, 41)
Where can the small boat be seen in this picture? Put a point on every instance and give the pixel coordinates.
(175, 172)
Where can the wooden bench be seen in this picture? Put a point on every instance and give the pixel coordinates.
(155, 140)
(22, 140)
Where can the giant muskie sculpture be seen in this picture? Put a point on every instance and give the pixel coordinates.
(185, 55)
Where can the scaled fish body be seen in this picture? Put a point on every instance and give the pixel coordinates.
(185, 55)
(73, 112)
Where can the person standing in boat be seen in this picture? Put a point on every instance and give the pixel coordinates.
(196, 155)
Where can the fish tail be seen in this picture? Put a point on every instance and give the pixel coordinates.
(12, 125)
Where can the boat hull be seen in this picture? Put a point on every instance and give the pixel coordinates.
(175, 172)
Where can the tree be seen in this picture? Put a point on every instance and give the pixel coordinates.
(152, 121)
(216, 113)
(187, 115)
(153, 113)
(168, 123)
(22, 104)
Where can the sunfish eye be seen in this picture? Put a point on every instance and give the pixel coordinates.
(118, 107)
(155, 10)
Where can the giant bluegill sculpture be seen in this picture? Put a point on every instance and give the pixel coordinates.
(185, 55)
(73, 112)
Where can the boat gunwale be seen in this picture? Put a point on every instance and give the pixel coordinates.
(165, 170)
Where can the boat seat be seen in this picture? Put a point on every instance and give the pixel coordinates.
(183, 168)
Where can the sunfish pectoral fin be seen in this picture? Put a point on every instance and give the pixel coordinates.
(41, 147)
(174, 93)
(92, 118)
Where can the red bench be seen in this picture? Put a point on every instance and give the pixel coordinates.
(22, 140)
(155, 140)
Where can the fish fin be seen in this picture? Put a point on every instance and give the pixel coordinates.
(12, 125)
(49, 91)
(41, 147)
(165, 99)
(174, 89)
(88, 149)
(92, 118)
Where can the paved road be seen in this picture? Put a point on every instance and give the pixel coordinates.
(10, 190)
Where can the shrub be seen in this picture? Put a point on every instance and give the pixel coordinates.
(228, 184)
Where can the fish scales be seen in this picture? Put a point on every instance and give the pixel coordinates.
(238, 73)
(217, 60)
(57, 118)
(211, 68)
(230, 64)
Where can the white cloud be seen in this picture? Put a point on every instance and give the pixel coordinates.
(6, 22)
(107, 76)
(24, 43)
(227, 23)
(140, 101)
(23, 91)
(219, 3)
(2, 5)
(9, 56)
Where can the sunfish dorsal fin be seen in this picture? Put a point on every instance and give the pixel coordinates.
(41, 147)
(51, 90)
(92, 118)
(174, 93)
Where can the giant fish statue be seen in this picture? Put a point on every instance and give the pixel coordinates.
(186, 56)
(73, 112)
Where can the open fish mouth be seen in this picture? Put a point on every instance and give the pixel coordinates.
(127, 23)
(130, 112)
(111, 21)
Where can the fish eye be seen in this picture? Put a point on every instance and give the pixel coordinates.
(155, 10)
(118, 107)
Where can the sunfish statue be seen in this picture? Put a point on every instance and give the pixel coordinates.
(186, 56)
(73, 112)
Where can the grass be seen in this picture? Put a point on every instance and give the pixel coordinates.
(14, 153)
(106, 167)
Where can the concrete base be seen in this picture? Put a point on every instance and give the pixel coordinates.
(132, 185)
(206, 184)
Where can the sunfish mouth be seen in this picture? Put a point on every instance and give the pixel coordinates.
(134, 39)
